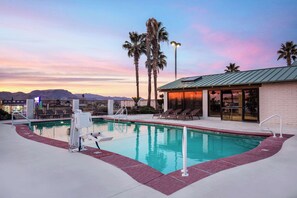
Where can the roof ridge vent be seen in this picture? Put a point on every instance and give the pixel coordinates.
(191, 79)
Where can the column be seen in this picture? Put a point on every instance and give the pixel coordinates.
(75, 104)
(165, 101)
(30, 108)
(110, 107)
(205, 103)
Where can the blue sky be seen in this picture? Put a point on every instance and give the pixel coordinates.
(77, 45)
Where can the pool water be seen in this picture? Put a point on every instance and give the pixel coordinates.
(158, 146)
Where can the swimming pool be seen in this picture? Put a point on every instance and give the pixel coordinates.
(158, 146)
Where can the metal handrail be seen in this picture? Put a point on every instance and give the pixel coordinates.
(22, 115)
(121, 112)
(280, 124)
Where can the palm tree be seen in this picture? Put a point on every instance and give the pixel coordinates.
(162, 36)
(136, 47)
(151, 32)
(161, 64)
(288, 51)
(232, 68)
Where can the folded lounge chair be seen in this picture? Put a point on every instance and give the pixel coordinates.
(173, 114)
(164, 114)
(192, 114)
(183, 114)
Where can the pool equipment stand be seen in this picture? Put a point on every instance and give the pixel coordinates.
(184, 145)
(79, 137)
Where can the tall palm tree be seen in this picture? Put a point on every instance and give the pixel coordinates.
(232, 68)
(151, 32)
(135, 47)
(288, 51)
(162, 36)
(161, 64)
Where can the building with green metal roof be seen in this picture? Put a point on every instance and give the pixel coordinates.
(243, 96)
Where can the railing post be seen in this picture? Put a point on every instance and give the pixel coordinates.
(280, 127)
(184, 145)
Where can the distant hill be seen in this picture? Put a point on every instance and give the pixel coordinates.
(88, 96)
(54, 94)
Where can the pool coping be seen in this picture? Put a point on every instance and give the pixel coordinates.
(172, 182)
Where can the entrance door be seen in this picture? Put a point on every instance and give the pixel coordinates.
(251, 105)
(231, 105)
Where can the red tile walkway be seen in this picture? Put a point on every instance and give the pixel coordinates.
(171, 182)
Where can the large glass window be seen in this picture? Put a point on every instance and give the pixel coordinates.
(175, 100)
(251, 103)
(232, 105)
(193, 100)
(185, 100)
(214, 103)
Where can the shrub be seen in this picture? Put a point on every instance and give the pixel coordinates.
(4, 115)
(142, 110)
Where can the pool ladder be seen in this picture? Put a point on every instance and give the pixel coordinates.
(15, 112)
(280, 125)
(122, 113)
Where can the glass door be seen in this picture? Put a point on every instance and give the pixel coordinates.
(251, 105)
(231, 105)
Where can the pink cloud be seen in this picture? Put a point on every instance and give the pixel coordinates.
(246, 52)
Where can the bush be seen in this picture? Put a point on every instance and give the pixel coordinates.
(4, 115)
(142, 110)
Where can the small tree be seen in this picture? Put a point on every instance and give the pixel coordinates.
(288, 51)
(232, 68)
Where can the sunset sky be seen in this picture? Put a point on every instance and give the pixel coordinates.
(77, 44)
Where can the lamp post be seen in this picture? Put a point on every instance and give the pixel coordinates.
(175, 45)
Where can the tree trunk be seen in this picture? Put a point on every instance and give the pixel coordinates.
(289, 60)
(155, 66)
(149, 68)
(136, 58)
(155, 88)
(149, 86)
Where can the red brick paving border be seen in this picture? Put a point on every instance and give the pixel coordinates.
(171, 182)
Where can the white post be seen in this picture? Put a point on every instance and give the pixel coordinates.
(185, 145)
(165, 101)
(30, 108)
(75, 104)
(205, 103)
(110, 107)
(280, 127)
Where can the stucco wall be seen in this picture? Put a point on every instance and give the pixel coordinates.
(279, 99)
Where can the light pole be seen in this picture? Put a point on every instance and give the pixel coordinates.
(175, 45)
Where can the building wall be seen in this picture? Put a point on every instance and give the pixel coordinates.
(279, 99)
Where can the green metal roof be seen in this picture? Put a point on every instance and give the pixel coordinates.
(251, 77)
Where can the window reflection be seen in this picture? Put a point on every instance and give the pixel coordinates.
(214, 103)
(185, 100)
(251, 101)
(232, 105)
(175, 100)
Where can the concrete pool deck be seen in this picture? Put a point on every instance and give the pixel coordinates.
(32, 169)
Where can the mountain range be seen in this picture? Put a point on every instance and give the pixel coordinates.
(55, 94)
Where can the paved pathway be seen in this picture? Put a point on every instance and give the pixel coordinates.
(31, 169)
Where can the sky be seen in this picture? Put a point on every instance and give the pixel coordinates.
(77, 44)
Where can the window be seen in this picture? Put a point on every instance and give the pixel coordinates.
(185, 100)
(214, 103)
(193, 100)
(175, 100)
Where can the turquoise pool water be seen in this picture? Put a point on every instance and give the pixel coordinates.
(158, 146)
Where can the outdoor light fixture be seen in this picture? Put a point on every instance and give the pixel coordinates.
(175, 45)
